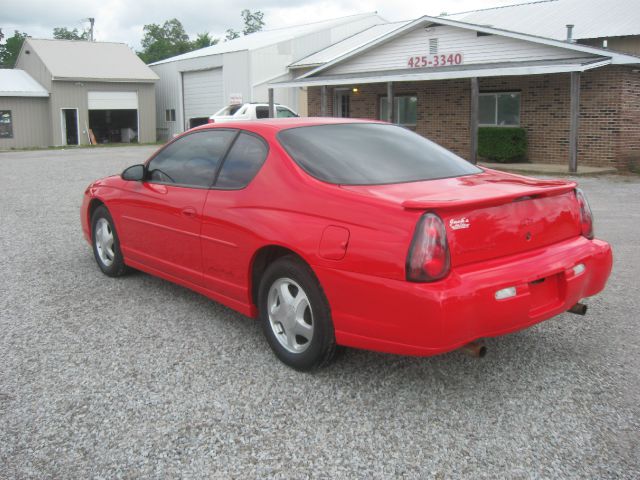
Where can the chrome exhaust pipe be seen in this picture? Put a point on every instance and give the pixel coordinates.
(475, 349)
(578, 309)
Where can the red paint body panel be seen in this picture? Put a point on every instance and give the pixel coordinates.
(503, 230)
(160, 226)
(426, 319)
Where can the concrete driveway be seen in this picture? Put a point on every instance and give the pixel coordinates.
(136, 377)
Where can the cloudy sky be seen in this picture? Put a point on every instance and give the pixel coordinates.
(123, 20)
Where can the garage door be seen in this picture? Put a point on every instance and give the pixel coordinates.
(113, 100)
(202, 93)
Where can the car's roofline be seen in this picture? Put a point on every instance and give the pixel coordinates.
(277, 124)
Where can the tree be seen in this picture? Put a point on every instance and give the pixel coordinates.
(231, 34)
(11, 48)
(170, 39)
(204, 40)
(253, 22)
(164, 41)
(63, 33)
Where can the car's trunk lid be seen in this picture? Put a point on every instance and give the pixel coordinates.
(491, 214)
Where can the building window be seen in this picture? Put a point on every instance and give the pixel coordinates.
(405, 108)
(6, 124)
(170, 115)
(499, 109)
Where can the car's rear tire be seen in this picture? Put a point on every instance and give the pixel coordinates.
(295, 315)
(105, 243)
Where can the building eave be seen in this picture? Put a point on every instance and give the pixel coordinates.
(107, 80)
(24, 94)
(447, 73)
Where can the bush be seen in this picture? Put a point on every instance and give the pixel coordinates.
(633, 163)
(502, 144)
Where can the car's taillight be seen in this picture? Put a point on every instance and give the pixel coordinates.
(211, 120)
(586, 217)
(428, 258)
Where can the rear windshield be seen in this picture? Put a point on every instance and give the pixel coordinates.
(230, 110)
(370, 154)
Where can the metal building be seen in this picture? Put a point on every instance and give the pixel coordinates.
(196, 84)
(87, 93)
(24, 111)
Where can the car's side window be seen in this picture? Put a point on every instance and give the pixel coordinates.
(262, 112)
(284, 112)
(243, 161)
(191, 161)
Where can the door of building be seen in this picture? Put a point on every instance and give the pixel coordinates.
(342, 103)
(202, 95)
(69, 121)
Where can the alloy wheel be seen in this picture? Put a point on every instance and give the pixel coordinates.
(104, 241)
(290, 315)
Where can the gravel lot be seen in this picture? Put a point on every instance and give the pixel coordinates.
(136, 377)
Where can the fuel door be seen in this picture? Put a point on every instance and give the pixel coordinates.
(334, 242)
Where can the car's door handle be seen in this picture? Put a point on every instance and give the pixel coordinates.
(189, 212)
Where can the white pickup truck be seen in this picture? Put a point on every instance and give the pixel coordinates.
(249, 111)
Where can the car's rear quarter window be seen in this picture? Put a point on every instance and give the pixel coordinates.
(370, 154)
(243, 161)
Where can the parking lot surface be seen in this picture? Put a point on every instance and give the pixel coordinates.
(136, 377)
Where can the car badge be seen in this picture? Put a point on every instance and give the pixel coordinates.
(459, 223)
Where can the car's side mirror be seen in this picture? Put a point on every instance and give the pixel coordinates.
(135, 173)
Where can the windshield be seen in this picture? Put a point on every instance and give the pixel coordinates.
(370, 154)
(230, 110)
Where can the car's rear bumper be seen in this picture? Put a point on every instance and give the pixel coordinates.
(426, 319)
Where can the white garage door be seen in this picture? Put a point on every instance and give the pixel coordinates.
(202, 93)
(113, 100)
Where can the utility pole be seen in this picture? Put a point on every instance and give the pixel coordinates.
(91, 21)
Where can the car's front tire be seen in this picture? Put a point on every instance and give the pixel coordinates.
(105, 243)
(295, 315)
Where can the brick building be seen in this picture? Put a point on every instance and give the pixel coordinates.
(578, 104)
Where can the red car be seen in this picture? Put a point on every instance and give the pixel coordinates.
(349, 232)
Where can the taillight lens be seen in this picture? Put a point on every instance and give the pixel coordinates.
(586, 217)
(428, 258)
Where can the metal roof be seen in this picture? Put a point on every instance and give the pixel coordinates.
(446, 73)
(18, 83)
(346, 45)
(549, 18)
(82, 60)
(615, 58)
(265, 38)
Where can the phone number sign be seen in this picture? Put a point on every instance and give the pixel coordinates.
(441, 60)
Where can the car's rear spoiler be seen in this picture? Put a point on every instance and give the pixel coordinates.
(488, 201)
